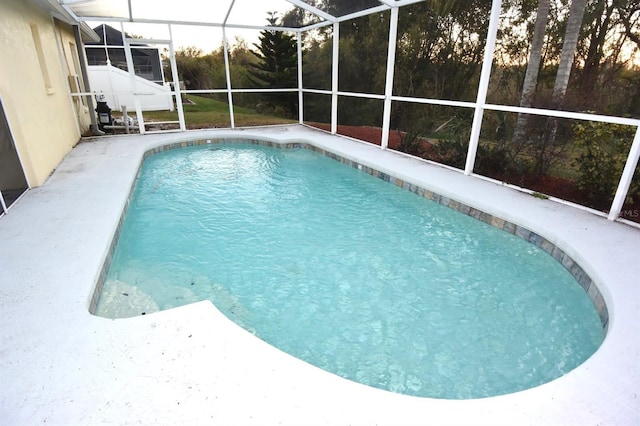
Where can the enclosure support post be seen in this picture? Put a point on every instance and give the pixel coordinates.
(300, 95)
(334, 78)
(483, 86)
(228, 76)
(627, 176)
(176, 81)
(134, 84)
(388, 91)
(85, 81)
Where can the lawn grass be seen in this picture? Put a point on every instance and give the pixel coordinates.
(206, 112)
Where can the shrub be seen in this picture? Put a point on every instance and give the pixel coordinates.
(411, 143)
(604, 150)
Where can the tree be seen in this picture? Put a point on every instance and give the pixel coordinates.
(193, 68)
(277, 66)
(549, 149)
(533, 66)
(597, 28)
(571, 37)
(628, 14)
(439, 55)
(630, 17)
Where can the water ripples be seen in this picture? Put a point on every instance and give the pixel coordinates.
(350, 273)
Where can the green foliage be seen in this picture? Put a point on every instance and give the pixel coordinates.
(197, 70)
(206, 71)
(604, 152)
(491, 160)
(540, 195)
(411, 143)
(439, 53)
(277, 67)
(452, 152)
(363, 55)
(317, 65)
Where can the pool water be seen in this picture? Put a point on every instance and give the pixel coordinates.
(347, 272)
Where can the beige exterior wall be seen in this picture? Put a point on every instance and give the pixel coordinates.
(37, 58)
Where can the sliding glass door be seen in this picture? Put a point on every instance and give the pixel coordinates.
(13, 182)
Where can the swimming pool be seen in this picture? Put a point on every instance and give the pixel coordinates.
(387, 369)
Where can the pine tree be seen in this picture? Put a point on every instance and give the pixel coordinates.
(277, 66)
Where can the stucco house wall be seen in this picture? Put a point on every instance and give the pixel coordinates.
(37, 59)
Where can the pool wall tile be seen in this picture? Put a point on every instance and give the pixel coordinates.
(534, 239)
(522, 232)
(509, 227)
(474, 213)
(601, 307)
(558, 254)
(546, 245)
(582, 277)
(485, 217)
(464, 209)
(567, 262)
(497, 222)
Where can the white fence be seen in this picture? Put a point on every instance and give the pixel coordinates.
(116, 86)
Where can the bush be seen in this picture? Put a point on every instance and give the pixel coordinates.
(604, 150)
(411, 143)
(491, 159)
(450, 152)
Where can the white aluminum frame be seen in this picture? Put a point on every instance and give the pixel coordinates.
(483, 86)
(391, 63)
(479, 106)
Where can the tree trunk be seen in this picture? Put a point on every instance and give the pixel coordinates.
(598, 37)
(533, 67)
(572, 33)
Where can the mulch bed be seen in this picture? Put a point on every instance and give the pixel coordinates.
(363, 133)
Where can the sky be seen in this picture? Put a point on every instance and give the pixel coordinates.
(248, 12)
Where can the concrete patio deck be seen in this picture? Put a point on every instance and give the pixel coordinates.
(191, 365)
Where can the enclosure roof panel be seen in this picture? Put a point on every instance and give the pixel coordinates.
(256, 13)
(98, 8)
(348, 7)
(292, 14)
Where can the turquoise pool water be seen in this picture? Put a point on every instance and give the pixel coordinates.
(348, 273)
